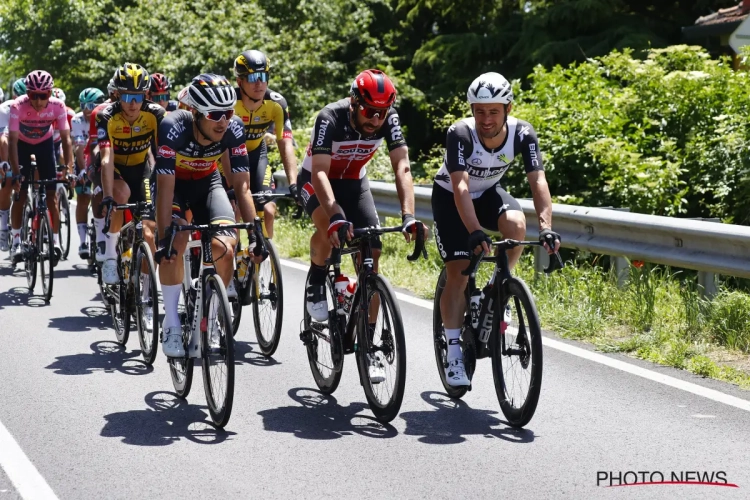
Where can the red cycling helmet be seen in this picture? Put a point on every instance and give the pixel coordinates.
(373, 88)
(39, 81)
(159, 83)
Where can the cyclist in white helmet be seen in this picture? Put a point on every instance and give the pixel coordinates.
(467, 197)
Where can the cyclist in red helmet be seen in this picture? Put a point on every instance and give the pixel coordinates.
(334, 187)
(159, 92)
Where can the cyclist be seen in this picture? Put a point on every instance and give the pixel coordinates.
(126, 132)
(467, 197)
(335, 191)
(89, 99)
(187, 177)
(30, 133)
(159, 92)
(260, 109)
(57, 92)
(19, 89)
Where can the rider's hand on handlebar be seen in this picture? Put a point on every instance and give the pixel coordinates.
(161, 253)
(551, 240)
(337, 222)
(107, 202)
(479, 241)
(409, 227)
(294, 191)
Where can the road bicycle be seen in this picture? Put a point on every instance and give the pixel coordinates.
(501, 322)
(64, 194)
(371, 326)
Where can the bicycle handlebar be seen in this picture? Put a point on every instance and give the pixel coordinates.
(504, 245)
(260, 246)
(367, 232)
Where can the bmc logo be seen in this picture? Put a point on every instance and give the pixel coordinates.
(166, 152)
(240, 150)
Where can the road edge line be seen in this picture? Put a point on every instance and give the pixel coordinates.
(22, 473)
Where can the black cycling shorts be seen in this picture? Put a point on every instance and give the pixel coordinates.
(45, 161)
(261, 176)
(353, 195)
(136, 177)
(206, 198)
(451, 235)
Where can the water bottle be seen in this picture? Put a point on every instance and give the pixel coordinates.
(340, 285)
(349, 295)
(242, 259)
(474, 302)
(487, 301)
(127, 256)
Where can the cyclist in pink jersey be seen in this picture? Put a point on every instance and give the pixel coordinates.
(30, 133)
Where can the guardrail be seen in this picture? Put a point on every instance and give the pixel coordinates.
(710, 248)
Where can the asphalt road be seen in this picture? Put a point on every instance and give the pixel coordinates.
(97, 423)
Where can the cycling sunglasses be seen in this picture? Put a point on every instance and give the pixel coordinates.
(128, 98)
(216, 116)
(260, 76)
(369, 112)
(89, 105)
(159, 97)
(38, 96)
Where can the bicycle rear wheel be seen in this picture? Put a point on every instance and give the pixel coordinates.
(218, 352)
(380, 339)
(516, 347)
(63, 228)
(181, 369)
(325, 350)
(268, 301)
(146, 303)
(91, 261)
(45, 253)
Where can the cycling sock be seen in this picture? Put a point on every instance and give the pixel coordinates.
(454, 348)
(83, 232)
(110, 251)
(317, 274)
(4, 214)
(15, 233)
(99, 229)
(171, 297)
(56, 239)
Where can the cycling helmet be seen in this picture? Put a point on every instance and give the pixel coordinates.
(373, 88)
(209, 92)
(131, 78)
(19, 87)
(59, 94)
(91, 95)
(111, 87)
(2, 95)
(39, 81)
(160, 83)
(250, 61)
(184, 99)
(490, 88)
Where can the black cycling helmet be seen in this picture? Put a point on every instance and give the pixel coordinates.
(132, 78)
(250, 61)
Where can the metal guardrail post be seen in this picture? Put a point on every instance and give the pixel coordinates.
(541, 259)
(707, 284)
(622, 270)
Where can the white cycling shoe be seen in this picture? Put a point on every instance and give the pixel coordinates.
(316, 303)
(172, 342)
(231, 290)
(455, 373)
(110, 276)
(4, 240)
(83, 251)
(376, 370)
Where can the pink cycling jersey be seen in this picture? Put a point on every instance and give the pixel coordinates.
(34, 127)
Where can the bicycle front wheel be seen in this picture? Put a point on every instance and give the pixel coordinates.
(28, 247)
(516, 347)
(381, 350)
(218, 351)
(45, 252)
(63, 228)
(147, 302)
(118, 296)
(268, 301)
(181, 369)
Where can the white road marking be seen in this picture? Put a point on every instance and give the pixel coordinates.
(617, 364)
(21, 472)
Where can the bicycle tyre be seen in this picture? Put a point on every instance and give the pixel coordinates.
(384, 412)
(327, 383)
(275, 293)
(91, 261)
(63, 207)
(45, 237)
(515, 290)
(149, 340)
(29, 247)
(181, 369)
(440, 343)
(220, 408)
(119, 305)
(236, 305)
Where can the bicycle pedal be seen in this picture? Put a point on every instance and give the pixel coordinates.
(306, 336)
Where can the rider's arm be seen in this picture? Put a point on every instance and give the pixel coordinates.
(105, 151)
(13, 152)
(241, 184)
(464, 205)
(289, 159)
(527, 143)
(4, 147)
(164, 197)
(284, 140)
(169, 140)
(238, 167)
(67, 149)
(404, 181)
(321, 149)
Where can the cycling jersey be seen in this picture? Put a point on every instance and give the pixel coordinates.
(464, 153)
(92, 125)
(172, 106)
(35, 127)
(349, 150)
(79, 131)
(56, 133)
(5, 116)
(130, 142)
(179, 153)
(272, 112)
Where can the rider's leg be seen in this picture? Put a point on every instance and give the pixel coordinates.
(269, 213)
(171, 276)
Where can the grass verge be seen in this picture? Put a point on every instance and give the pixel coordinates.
(659, 316)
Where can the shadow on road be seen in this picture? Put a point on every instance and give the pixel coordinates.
(167, 419)
(107, 356)
(76, 270)
(454, 419)
(6, 269)
(245, 353)
(319, 416)
(91, 318)
(19, 296)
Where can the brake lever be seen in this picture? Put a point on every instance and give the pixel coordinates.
(419, 244)
(473, 263)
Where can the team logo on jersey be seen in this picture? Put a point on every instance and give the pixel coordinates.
(198, 164)
(307, 192)
(166, 152)
(136, 129)
(476, 161)
(240, 150)
(256, 119)
(101, 133)
(125, 130)
(525, 130)
(246, 119)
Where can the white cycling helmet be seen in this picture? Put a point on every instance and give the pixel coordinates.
(2, 95)
(490, 88)
(209, 92)
(56, 92)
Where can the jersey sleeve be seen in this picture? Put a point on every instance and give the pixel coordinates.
(234, 141)
(61, 121)
(527, 144)
(394, 137)
(4, 118)
(13, 118)
(169, 139)
(78, 131)
(283, 123)
(458, 147)
(322, 135)
(102, 128)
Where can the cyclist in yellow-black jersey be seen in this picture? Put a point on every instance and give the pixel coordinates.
(261, 109)
(126, 133)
